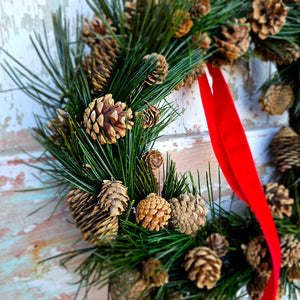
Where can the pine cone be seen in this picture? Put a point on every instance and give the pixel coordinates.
(293, 273)
(153, 159)
(154, 272)
(129, 286)
(277, 99)
(113, 197)
(59, 126)
(104, 117)
(150, 116)
(188, 213)
(256, 286)
(203, 266)
(99, 64)
(201, 8)
(217, 243)
(184, 26)
(128, 14)
(235, 40)
(153, 212)
(257, 255)
(94, 29)
(191, 77)
(202, 41)
(268, 17)
(285, 148)
(90, 219)
(278, 199)
(161, 71)
(290, 250)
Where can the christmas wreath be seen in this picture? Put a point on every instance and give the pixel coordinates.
(105, 108)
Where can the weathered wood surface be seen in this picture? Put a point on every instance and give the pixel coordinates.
(25, 240)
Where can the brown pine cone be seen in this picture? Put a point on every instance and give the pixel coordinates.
(99, 64)
(235, 39)
(184, 26)
(129, 286)
(268, 17)
(188, 213)
(105, 118)
(153, 212)
(217, 243)
(154, 272)
(113, 197)
(58, 127)
(150, 116)
(89, 218)
(256, 286)
(161, 71)
(285, 148)
(257, 255)
(201, 8)
(290, 250)
(293, 273)
(203, 267)
(278, 199)
(202, 41)
(277, 99)
(153, 159)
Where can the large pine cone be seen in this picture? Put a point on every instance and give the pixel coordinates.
(285, 148)
(188, 213)
(89, 218)
(184, 26)
(257, 255)
(153, 212)
(201, 8)
(203, 267)
(129, 286)
(99, 64)
(277, 99)
(235, 40)
(103, 116)
(290, 250)
(154, 272)
(150, 116)
(58, 127)
(278, 199)
(113, 197)
(268, 17)
(217, 243)
(161, 71)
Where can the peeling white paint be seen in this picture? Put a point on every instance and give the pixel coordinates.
(29, 228)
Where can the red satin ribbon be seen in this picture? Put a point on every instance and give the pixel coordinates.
(235, 159)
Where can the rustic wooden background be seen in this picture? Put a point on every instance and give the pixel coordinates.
(25, 240)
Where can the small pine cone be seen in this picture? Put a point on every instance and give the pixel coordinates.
(235, 39)
(293, 273)
(191, 77)
(59, 126)
(128, 14)
(104, 117)
(277, 99)
(256, 286)
(150, 116)
(285, 148)
(202, 41)
(153, 159)
(129, 286)
(201, 8)
(217, 243)
(278, 199)
(113, 197)
(184, 26)
(161, 71)
(257, 255)
(268, 17)
(188, 213)
(154, 272)
(90, 219)
(290, 250)
(203, 267)
(99, 64)
(94, 29)
(153, 212)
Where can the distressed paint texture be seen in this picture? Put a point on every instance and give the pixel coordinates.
(25, 240)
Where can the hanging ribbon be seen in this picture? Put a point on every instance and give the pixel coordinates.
(235, 159)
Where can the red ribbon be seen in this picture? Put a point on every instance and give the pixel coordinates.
(235, 159)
